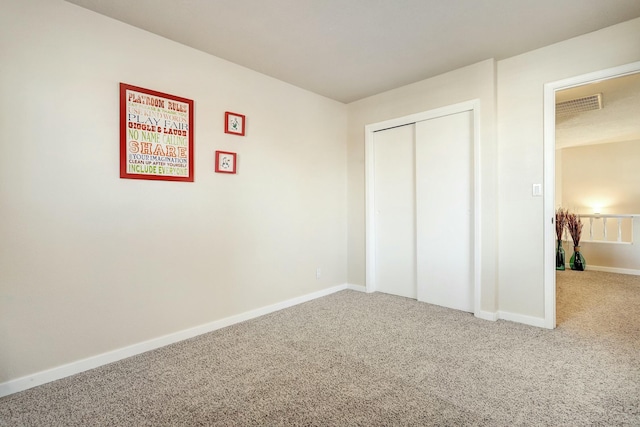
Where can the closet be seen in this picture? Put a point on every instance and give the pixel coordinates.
(423, 199)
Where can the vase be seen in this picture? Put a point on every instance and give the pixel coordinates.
(560, 256)
(577, 261)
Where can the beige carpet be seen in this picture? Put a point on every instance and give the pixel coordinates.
(352, 359)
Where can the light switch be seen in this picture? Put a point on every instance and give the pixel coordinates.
(537, 189)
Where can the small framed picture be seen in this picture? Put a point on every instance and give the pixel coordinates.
(234, 123)
(225, 162)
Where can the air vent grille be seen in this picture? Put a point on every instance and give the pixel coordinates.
(579, 105)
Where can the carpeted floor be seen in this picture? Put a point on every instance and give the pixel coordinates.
(353, 359)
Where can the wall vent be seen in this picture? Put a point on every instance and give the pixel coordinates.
(579, 105)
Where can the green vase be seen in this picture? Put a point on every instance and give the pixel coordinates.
(577, 261)
(560, 259)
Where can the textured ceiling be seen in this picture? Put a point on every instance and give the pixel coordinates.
(350, 49)
(618, 120)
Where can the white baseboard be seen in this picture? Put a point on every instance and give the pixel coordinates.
(521, 318)
(358, 288)
(43, 377)
(612, 270)
(487, 315)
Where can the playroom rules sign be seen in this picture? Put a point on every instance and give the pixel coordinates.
(156, 135)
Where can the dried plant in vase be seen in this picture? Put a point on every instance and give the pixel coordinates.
(574, 225)
(561, 223)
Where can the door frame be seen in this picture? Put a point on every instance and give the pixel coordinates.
(370, 238)
(549, 174)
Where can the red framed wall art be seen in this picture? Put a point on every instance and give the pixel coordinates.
(234, 123)
(156, 135)
(225, 162)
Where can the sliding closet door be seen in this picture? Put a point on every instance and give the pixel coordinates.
(444, 210)
(394, 207)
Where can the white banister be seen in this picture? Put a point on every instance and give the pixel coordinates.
(620, 229)
(602, 237)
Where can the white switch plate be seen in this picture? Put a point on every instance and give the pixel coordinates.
(537, 189)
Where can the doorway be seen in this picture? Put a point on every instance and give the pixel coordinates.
(550, 90)
(422, 203)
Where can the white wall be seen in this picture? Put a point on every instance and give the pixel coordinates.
(559, 178)
(606, 176)
(520, 138)
(472, 82)
(602, 175)
(90, 262)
